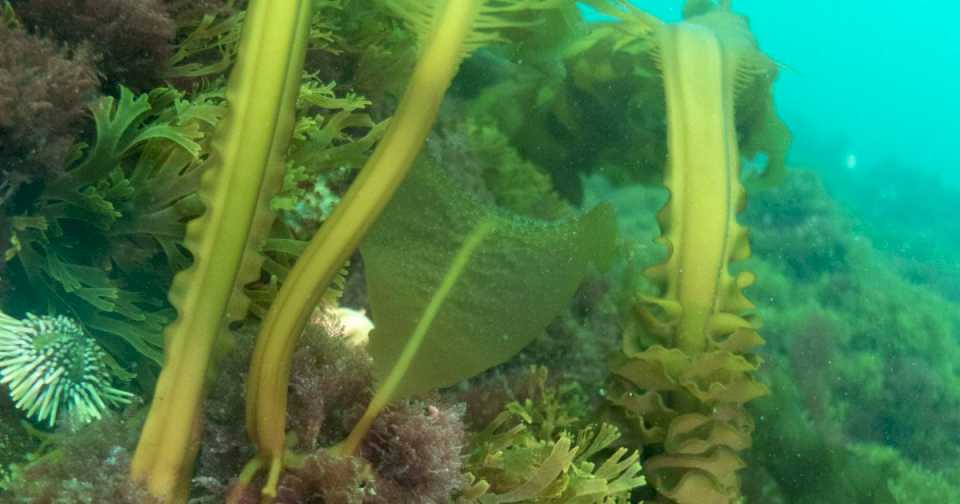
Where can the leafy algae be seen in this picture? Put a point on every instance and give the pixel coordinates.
(97, 235)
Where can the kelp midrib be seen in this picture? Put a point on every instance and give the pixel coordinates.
(447, 31)
(700, 220)
(698, 373)
(244, 170)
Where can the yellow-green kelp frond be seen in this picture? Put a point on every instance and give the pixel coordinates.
(748, 75)
(745, 62)
(687, 366)
(631, 25)
(448, 30)
(484, 22)
(445, 273)
(53, 369)
(245, 169)
(699, 221)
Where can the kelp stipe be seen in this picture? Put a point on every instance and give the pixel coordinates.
(244, 171)
(448, 31)
(701, 307)
(686, 369)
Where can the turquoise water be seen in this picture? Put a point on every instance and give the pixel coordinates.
(871, 79)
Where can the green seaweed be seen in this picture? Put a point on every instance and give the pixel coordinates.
(436, 327)
(534, 452)
(688, 363)
(446, 33)
(849, 339)
(121, 201)
(519, 263)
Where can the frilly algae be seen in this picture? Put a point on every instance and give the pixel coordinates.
(687, 365)
(538, 450)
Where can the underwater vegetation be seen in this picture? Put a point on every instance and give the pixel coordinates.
(337, 251)
(922, 248)
(864, 385)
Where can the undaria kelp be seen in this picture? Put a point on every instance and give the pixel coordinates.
(456, 286)
(687, 365)
(447, 31)
(244, 171)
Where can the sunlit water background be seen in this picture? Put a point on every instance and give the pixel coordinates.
(869, 90)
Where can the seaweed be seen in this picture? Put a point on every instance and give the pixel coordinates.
(120, 202)
(436, 327)
(44, 93)
(529, 454)
(243, 172)
(446, 33)
(331, 140)
(87, 466)
(457, 286)
(131, 39)
(491, 168)
(208, 45)
(687, 365)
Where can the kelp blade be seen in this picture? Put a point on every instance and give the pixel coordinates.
(515, 282)
(245, 169)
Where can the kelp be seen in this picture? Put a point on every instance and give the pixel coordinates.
(487, 161)
(244, 171)
(438, 326)
(624, 52)
(583, 105)
(331, 140)
(760, 129)
(447, 31)
(690, 389)
(686, 369)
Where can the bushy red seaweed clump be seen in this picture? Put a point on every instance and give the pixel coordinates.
(88, 466)
(132, 38)
(330, 385)
(413, 453)
(44, 90)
